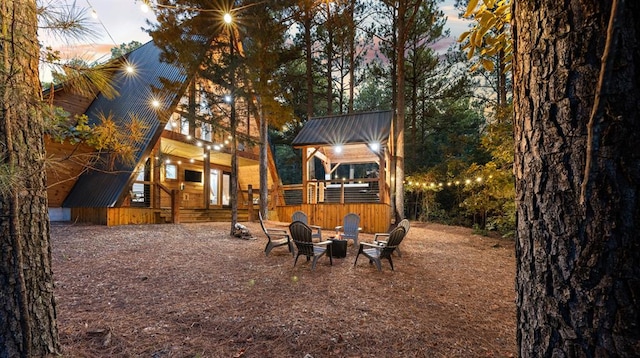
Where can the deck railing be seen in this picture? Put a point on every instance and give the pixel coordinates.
(364, 190)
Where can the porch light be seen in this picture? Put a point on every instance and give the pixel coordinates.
(478, 179)
(199, 144)
(449, 184)
(227, 98)
(155, 103)
(130, 69)
(208, 147)
(192, 160)
(337, 149)
(179, 161)
(457, 182)
(227, 18)
(189, 137)
(226, 142)
(217, 147)
(168, 161)
(375, 146)
(468, 181)
(440, 184)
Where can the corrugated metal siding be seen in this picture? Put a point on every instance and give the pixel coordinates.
(100, 189)
(344, 129)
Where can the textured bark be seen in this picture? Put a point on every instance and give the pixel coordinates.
(27, 308)
(578, 264)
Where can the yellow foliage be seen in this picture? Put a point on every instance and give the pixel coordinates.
(490, 35)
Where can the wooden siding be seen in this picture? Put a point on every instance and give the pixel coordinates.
(73, 103)
(65, 162)
(374, 217)
(138, 216)
(115, 216)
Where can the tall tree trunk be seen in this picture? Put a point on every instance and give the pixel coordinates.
(329, 26)
(394, 105)
(233, 123)
(352, 55)
(578, 254)
(400, 110)
(264, 143)
(27, 306)
(307, 23)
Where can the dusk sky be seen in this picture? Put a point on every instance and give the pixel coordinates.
(121, 21)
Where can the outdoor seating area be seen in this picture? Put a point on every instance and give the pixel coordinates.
(307, 240)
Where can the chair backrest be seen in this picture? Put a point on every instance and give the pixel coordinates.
(395, 238)
(405, 224)
(350, 225)
(300, 216)
(301, 235)
(262, 223)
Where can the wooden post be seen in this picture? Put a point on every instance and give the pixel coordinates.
(305, 174)
(155, 179)
(207, 178)
(342, 192)
(175, 206)
(250, 199)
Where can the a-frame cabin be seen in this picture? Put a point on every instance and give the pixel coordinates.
(357, 146)
(179, 174)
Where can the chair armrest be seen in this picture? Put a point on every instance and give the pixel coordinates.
(323, 242)
(338, 227)
(375, 236)
(315, 227)
(277, 231)
(362, 244)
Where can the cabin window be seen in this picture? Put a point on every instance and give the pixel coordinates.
(213, 183)
(170, 171)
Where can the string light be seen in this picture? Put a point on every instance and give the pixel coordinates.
(436, 184)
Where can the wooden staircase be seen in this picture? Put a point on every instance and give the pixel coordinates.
(204, 215)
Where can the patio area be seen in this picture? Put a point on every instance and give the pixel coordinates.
(190, 290)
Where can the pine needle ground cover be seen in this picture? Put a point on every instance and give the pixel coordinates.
(192, 290)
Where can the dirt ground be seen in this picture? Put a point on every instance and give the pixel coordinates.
(191, 290)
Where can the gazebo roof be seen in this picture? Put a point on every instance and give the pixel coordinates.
(353, 128)
(350, 138)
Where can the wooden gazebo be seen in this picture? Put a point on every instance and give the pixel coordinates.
(359, 140)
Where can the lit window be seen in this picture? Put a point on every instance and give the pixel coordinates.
(171, 171)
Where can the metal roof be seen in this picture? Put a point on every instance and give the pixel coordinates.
(136, 90)
(366, 127)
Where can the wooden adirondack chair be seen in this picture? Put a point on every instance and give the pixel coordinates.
(301, 235)
(349, 228)
(275, 237)
(375, 253)
(301, 216)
